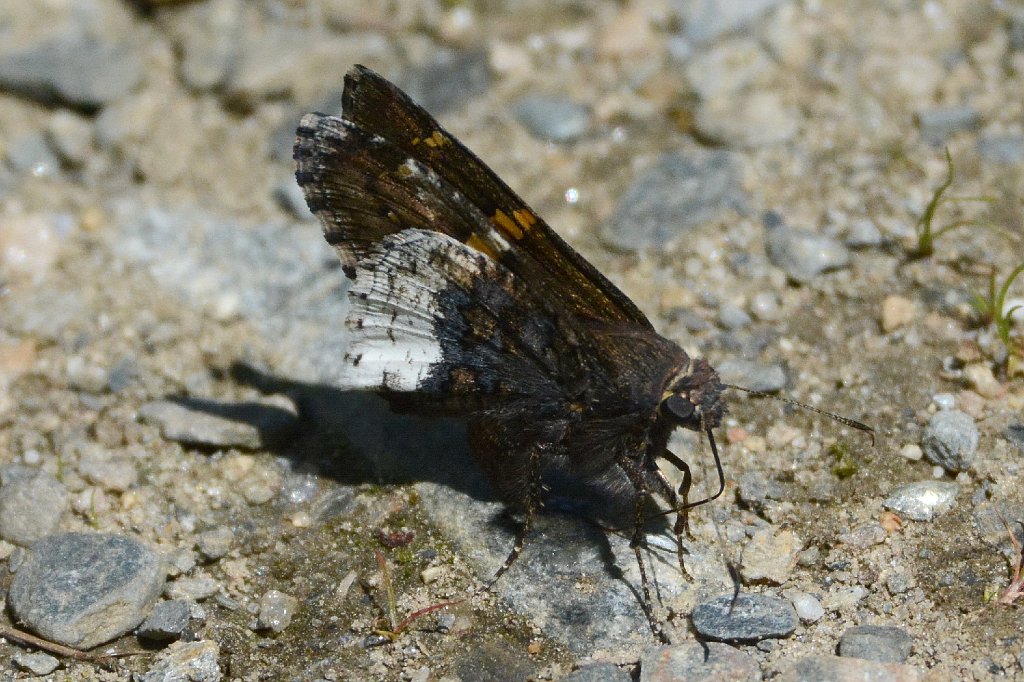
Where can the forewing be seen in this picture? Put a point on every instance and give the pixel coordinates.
(388, 165)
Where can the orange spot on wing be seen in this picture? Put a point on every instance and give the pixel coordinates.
(436, 139)
(507, 225)
(474, 242)
(525, 218)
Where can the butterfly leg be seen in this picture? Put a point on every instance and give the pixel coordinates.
(531, 504)
(639, 482)
(673, 498)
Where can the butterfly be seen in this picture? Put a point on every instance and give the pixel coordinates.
(464, 302)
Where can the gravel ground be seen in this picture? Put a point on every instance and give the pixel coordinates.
(182, 488)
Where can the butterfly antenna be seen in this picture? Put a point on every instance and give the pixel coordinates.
(852, 423)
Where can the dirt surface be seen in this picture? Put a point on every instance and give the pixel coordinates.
(153, 246)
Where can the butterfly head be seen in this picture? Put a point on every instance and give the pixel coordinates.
(694, 398)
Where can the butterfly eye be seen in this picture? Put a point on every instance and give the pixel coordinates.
(679, 408)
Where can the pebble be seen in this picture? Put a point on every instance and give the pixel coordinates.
(207, 37)
(703, 22)
(84, 589)
(31, 154)
(912, 451)
(980, 378)
(598, 672)
(753, 375)
(808, 608)
(191, 661)
(167, 621)
(754, 617)
(29, 245)
(208, 423)
(765, 306)
(108, 470)
(897, 312)
(770, 556)
(679, 192)
(845, 598)
(276, 611)
(195, 588)
(733, 317)
(1004, 149)
(938, 125)
(881, 643)
(755, 488)
(31, 504)
(863, 536)
(838, 669)
(215, 543)
(551, 117)
(748, 120)
(697, 661)
(923, 500)
(1015, 434)
(802, 254)
(950, 440)
(36, 663)
(78, 70)
(863, 233)
(944, 401)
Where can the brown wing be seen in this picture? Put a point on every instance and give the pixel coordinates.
(387, 165)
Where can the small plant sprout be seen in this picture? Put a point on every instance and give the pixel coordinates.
(925, 230)
(993, 310)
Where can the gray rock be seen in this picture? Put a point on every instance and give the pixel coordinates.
(754, 617)
(753, 375)
(705, 20)
(207, 37)
(755, 489)
(83, 589)
(276, 611)
(733, 317)
(31, 504)
(166, 622)
(1006, 149)
(36, 663)
(77, 70)
(1015, 434)
(679, 192)
(215, 543)
(862, 234)
(698, 661)
(802, 254)
(208, 423)
(924, 500)
(192, 589)
(950, 440)
(449, 79)
(938, 125)
(838, 669)
(598, 672)
(881, 643)
(553, 117)
(191, 661)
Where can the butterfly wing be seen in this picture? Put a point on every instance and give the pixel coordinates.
(387, 165)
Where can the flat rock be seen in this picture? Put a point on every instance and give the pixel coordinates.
(882, 643)
(84, 589)
(753, 617)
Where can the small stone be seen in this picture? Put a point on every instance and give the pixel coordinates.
(983, 382)
(884, 644)
(213, 424)
(31, 504)
(431, 573)
(1006, 149)
(195, 588)
(703, 22)
(938, 125)
(36, 663)
(107, 470)
(897, 312)
(29, 246)
(84, 589)
(753, 375)
(863, 233)
(215, 543)
(749, 119)
(912, 451)
(599, 672)
(733, 317)
(808, 609)
(552, 117)
(697, 661)
(924, 500)
(770, 556)
(765, 306)
(753, 617)
(191, 661)
(679, 192)
(944, 401)
(276, 611)
(864, 536)
(167, 621)
(1015, 434)
(802, 254)
(838, 669)
(844, 598)
(950, 440)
